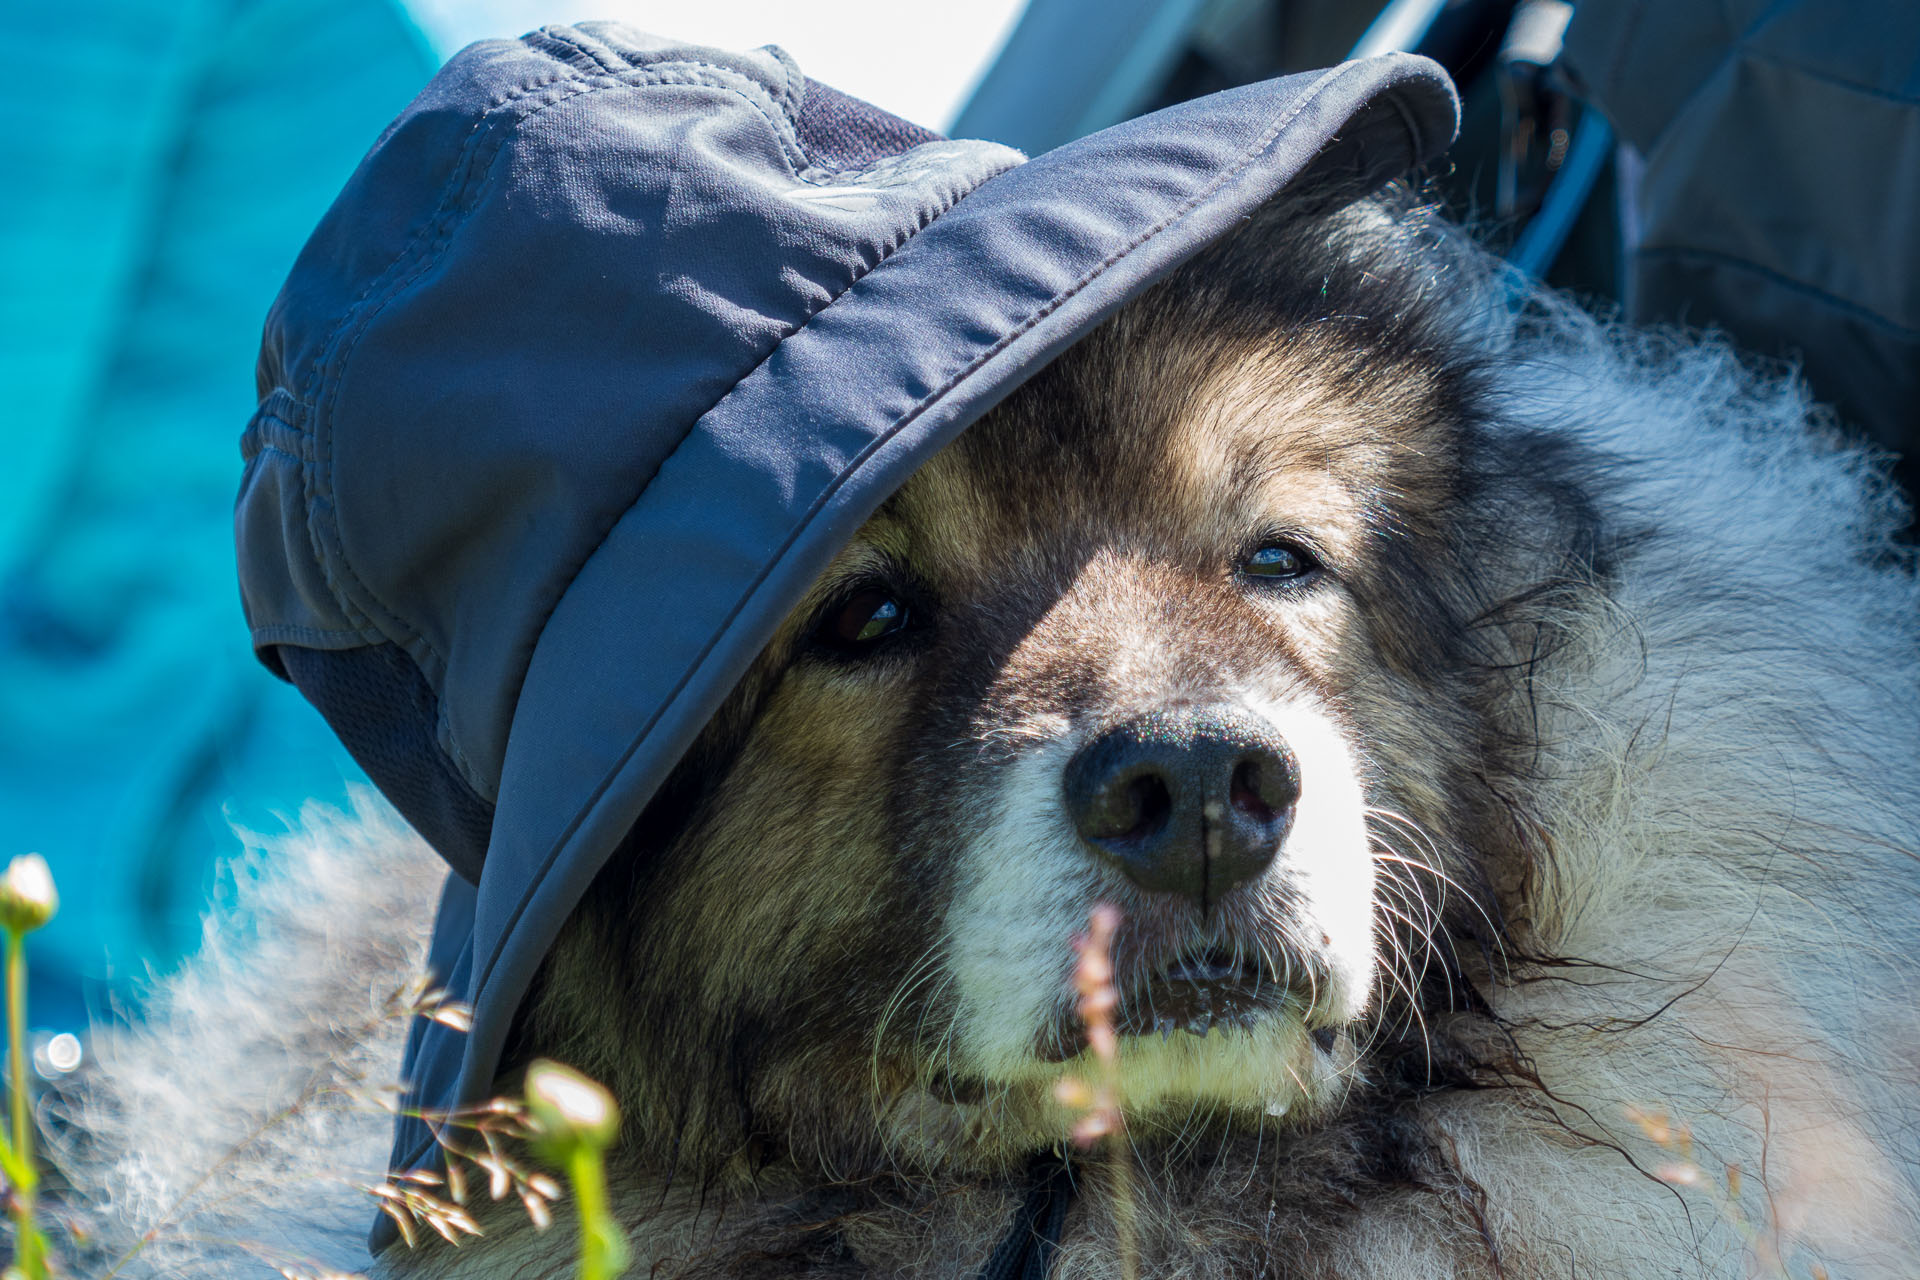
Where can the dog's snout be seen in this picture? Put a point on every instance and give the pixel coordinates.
(1189, 801)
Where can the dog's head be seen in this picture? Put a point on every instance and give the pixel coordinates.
(1204, 623)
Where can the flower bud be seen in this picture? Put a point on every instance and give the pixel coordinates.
(27, 897)
(567, 1109)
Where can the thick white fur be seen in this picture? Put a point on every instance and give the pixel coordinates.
(239, 1121)
(1727, 780)
(1730, 794)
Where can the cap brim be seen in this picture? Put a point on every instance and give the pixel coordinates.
(823, 431)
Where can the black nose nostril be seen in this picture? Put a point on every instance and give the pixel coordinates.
(1128, 808)
(1264, 787)
(1244, 793)
(1188, 802)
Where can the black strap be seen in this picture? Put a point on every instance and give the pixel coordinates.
(1026, 1252)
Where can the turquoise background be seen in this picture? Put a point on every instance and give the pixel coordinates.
(163, 163)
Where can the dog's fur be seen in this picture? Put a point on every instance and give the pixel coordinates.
(1604, 707)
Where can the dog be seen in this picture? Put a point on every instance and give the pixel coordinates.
(1494, 729)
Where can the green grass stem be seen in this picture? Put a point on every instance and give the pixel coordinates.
(603, 1245)
(29, 1251)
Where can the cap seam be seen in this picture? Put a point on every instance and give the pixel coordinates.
(793, 90)
(425, 247)
(330, 355)
(450, 746)
(593, 63)
(311, 637)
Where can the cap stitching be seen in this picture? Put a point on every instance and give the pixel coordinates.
(582, 57)
(456, 203)
(793, 90)
(329, 354)
(310, 637)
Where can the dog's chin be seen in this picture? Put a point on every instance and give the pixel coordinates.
(1228, 1047)
(1275, 1067)
(1266, 1068)
(1210, 1035)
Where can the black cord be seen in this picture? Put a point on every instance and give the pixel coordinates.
(1026, 1251)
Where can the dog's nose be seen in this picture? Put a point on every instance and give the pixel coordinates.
(1188, 801)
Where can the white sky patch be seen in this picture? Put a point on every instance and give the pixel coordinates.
(919, 61)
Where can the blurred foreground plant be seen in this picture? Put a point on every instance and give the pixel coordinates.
(574, 1120)
(1098, 1104)
(1770, 1250)
(565, 1118)
(27, 901)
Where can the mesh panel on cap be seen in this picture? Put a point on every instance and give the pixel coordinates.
(384, 712)
(838, 131)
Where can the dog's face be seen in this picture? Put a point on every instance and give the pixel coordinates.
(1126, 687)
(1183, 627)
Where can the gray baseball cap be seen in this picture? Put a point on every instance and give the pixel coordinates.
(605, 350)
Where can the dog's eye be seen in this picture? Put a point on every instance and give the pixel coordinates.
(1279, 562)
(863, 620)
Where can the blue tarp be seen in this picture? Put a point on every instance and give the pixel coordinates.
(164, 163)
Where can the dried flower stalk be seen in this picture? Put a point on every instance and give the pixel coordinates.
(1098, 1104)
